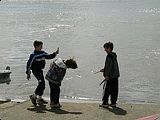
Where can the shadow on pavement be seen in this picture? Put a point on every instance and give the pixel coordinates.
(38, 109)
(43, 109)
(60, 111)
(117, 110)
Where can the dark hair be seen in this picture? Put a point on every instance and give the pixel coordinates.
(108, 45)
(37, 43)
(70, 63)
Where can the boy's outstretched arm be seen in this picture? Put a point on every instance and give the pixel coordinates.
(53, 55)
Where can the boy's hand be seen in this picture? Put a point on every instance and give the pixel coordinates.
(106, 78)
(28, 76)
(102, 70)
(57, 52)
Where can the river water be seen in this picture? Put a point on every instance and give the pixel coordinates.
(80, 28)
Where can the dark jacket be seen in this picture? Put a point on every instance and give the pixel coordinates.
(37, 60)
(56, 71)
(111, 68)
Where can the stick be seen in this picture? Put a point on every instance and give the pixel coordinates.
(102, 82)
(97, 72)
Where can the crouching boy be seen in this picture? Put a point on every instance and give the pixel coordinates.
(55, 76)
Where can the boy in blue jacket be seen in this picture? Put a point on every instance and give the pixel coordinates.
(36, 63)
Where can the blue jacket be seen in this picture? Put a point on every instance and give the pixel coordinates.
(37, 61)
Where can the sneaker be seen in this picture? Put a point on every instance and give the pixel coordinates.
(113, 105)
(104, 105)
(41, 101)
(33, 99)
(60, 105)
(55, 105)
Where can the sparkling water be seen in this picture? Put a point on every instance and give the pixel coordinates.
(80, 28)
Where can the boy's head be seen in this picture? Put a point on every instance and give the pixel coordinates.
(108, 47)
(70, 63)
(38, 45)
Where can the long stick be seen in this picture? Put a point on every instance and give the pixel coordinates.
(97, 72)
(102, 82)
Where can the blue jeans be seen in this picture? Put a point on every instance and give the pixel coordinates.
(54, 92)
(41, 83)
(110, 89)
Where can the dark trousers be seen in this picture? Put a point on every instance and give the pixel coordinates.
(41, 83)
(110, 89)
(54, 93)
